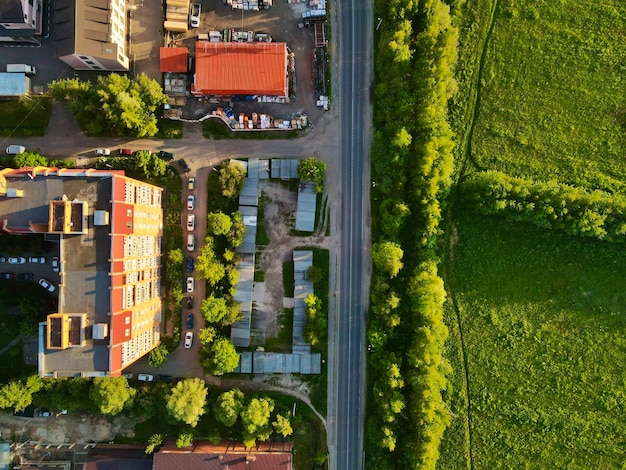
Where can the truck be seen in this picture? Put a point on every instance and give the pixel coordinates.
(24, 68)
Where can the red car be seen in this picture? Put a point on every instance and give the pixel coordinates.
(124, 152)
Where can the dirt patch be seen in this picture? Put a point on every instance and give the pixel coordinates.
(280, 207)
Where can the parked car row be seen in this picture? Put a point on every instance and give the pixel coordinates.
(21, 260)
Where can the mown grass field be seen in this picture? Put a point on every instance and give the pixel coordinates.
(552, 92)
(544, 322)
(23, 118)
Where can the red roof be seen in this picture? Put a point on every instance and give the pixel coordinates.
(241, 68)
(174, 59)
(204, 455)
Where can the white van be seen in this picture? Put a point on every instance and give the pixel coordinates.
(15, 149)
(191, 242)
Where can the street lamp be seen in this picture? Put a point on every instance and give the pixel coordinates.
(380, 20)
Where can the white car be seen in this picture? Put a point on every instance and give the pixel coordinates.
(191, 222)
(104, 152)
(194, 16)
(37, 260)
(15, 149)
(188, 339)
(17, 260)
(47, 285)
(190, 284)
(191, 202)
(191, 242)
(56, 267)
(145, 377)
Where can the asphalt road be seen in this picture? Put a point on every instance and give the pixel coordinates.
(355, 58)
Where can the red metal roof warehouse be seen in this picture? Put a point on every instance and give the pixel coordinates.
(232, 68)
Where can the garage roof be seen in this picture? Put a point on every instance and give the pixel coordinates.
(174, 59)
(234, 68)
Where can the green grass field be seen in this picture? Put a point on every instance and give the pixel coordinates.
(552, 92)
(543, 318)
(23, 118)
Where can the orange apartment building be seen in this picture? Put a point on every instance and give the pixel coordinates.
(108, 228)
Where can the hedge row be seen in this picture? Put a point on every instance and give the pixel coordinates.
(548, 204)
(412, 165)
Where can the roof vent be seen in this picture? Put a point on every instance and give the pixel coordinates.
(100, 331)
(101, 218)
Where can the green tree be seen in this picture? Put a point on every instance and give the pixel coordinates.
(207, 265)
(207, 335)
(111, 394)
(232, 178)
(387, 257)
(184, 439)
(158, 356)
(218, 223)
(228, 406)
(237, 231)
(187, 400)
(154, 441)
(18, 394)
(282, 425)
(220, 357)
(313, 170)
(213, 309)
(255, 418)
(314, 274)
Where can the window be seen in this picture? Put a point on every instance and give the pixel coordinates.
(84, 57)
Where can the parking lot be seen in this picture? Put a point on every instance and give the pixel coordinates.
(31, 267)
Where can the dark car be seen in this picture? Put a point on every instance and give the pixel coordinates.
(190, 301)
(189, 321)
(7, 275)
(124, 152)
(163, 155)
(190, 266)
(183, 164)
(165, 378)
(25, 276)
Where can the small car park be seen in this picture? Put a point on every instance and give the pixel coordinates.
(191, 242)
(190, 284)
(37, 260)
(163, 155)
(17, 260)
(191, 222)
(127, 152)
(189, 321)
(47, 285)
(25, 276)
(7, 276)
(194, 15)
(192, 183)
(56, 267)
(190, 301)
(188, 339)
(145, 377)
(15, 149)
(190, 266)
(191, 202)
(104, 152)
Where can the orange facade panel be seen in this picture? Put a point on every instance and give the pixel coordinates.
(117, 297)
(123, 218)
(173, 59)
(119, 188)
(115, 360)
(121, 327)
(117, 249)
(238, 68)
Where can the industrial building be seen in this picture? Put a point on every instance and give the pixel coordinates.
(20, 20)
(108, 228)
(241, 69)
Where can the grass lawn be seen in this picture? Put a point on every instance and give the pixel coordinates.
(552, 93)
(169, 129)
(543, 318)
(25, 118)
(282, 343)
